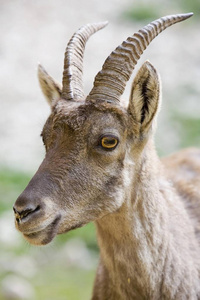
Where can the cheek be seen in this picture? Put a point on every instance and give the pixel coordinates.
(117, 186)
(90, 191)
(111, 195)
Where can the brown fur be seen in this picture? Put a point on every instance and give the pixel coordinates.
(183, 168)
(146, 213)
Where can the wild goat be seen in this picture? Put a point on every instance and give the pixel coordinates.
(101, 166)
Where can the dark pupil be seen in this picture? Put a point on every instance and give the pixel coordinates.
(109, 142)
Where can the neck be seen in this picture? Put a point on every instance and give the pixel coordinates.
(138, 242)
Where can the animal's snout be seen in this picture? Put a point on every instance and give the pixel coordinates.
(35, 214)
(30, 205)
(34, 210)
(25, 207)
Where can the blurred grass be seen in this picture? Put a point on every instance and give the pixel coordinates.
(188, 129)
(146, 10)
(57, 284)
(141, 11)
(12, 184)
(190, 6)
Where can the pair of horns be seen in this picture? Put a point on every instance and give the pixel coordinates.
(110, 82)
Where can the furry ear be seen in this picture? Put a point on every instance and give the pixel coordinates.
(50, 88)
(145, 96)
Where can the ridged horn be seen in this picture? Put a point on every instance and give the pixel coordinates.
(109, 83)
(73, 61)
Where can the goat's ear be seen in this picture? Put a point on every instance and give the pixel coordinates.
(145, 97)
(50, 88)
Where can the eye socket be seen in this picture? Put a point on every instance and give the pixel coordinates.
(109, 142)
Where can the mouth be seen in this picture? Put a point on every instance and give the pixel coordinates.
(44, 236)
(46, 231)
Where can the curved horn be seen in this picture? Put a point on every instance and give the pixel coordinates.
(110, 82)
(73, 62)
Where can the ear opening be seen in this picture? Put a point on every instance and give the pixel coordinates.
(51, 89)
(144, 99)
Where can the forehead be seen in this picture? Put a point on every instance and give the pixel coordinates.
(78, 115)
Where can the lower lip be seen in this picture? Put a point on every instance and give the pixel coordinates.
(49, 233)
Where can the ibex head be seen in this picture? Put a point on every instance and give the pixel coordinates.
(93, 144)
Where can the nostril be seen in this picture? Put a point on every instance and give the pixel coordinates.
(23, 213)
(26, 204)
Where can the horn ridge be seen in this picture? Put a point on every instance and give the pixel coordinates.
(73, 61)
(121, 62)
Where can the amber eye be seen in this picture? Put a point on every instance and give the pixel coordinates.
(109, 142)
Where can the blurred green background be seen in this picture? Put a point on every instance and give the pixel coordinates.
(66, 268)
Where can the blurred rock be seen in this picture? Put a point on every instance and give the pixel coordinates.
(23, 265)
(16, 288)
(9, 236)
